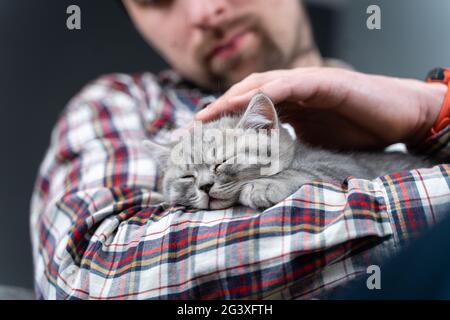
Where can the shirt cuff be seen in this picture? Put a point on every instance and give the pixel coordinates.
(436, 147)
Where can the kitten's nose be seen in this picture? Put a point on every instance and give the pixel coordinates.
(206, 187)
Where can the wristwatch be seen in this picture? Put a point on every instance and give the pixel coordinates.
(441, 75)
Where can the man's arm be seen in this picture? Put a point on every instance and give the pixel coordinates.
(95, 234)
(95, 176)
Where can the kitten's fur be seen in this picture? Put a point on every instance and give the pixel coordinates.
(216, 184)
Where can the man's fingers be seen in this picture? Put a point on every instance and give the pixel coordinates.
(225, 103)
(216, 109)
(279, 90)
(257, 80)
(228, 103)
(282, 90)
(278, 85)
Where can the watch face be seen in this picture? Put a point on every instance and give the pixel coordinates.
(437, 74)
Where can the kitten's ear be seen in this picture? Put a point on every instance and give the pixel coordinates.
(260, 114)
(158, 151)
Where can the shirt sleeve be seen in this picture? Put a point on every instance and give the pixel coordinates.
(421, 193)
(436, 146)
(96, 235)
(94, 179)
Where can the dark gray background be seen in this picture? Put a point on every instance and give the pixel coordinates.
(42, 65)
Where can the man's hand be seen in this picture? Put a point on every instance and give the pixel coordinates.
(339, 108)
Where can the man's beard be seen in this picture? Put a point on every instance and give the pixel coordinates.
(268, 57)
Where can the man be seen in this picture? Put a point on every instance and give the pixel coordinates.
(95, 234)
(221, 42)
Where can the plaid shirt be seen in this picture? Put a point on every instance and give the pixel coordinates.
(95, 235)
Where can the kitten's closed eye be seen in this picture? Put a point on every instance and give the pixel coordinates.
(189, 176)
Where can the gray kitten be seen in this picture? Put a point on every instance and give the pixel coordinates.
(219, 181)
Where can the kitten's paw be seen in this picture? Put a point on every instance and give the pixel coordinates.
(156, 198)
(260, 195)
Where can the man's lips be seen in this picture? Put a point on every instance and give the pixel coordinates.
(227, 47)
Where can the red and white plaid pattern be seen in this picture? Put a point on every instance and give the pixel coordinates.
(95, 235)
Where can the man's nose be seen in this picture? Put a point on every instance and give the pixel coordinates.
(206, 14)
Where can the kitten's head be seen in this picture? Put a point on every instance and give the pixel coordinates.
(209, 167)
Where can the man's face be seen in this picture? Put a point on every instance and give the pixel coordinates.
(217, 43)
